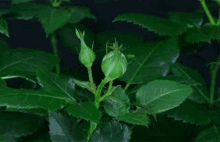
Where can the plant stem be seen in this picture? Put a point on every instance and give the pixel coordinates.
(55, 50)
(216, 131)
(97, 103)
(126, 87)
(110, 86)
(211, 19)
(109, 92)
(92, 84)
(99, 91)
(214, 67)
(91, 129)
(214, 72)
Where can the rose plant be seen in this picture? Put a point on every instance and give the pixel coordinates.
(156, 84)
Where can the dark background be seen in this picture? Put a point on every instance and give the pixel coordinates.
(31, 34)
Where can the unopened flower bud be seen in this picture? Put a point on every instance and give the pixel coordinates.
(86, 55)
(114, 64)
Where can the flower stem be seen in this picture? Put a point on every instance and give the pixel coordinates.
(92, 84)
(97, 103)
(55, 50)
(99, 91)
(109, 92)
(209, 15)
(110, 86)
(214, 72)
(126, 87)
(214, 67)
(93, 125)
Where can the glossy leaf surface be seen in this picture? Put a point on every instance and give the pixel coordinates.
(162, 95)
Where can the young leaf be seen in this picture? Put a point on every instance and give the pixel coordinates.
(192, 19)
(200, 93)
(23, 62)
(205, 33)
(112, 131)
(27, 10)
(211, 134)
(85, 110)
(162, 95)
(28, 99)
(117, 104)
(19, 124)
(191, 112)
(65, 129)
(79, 13)
(53, 19)
(3, 83)
(135, 119)
(4, 27)
(56, 84)
(151, 60)
(161, 26)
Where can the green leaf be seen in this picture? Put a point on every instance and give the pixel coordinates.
(56, 84)
(3, 84)
(112, 131)
(27, 10)
(63, 129)
(20, 1)
(117, 104)
(53, 19)
(36, 111)
(205, 33)
(28, 99)
(128, 39)
(215, 116)
(158, 25)
(18, 124)
(85, 110)
(135, 119)
(209, 135)
(217, 103)
(23, 62)
(191, 112)
(200, 93)
(162, 95)
(79, 13)
(4, 27)
(151, 60)
(178, 79)
(192, 19)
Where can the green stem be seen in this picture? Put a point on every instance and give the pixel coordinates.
(110, 86)
(126, 87)
(109, 92)
(55, 50)
(97, 103)
(209, 15)
(216, 131)
(93, 126)
(92, 84)
(214, 72)
(214, 67)
(99, 91)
